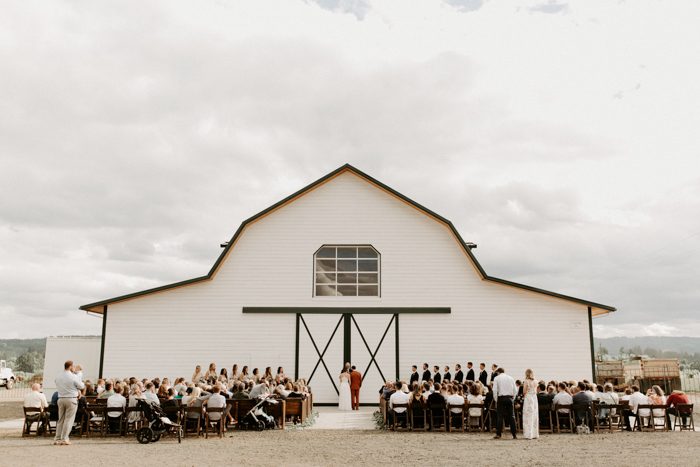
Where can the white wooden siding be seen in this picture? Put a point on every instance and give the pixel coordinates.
(168, 333)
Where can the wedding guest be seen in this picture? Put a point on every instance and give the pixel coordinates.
(677, 397)
(109, 391)
(150, 393)
(475, 397)
(436, 401)
(68, 387)
(116, 400)
(398, 397)
(635, 399)
(544, 398)
(657, 397)
(504, 391)
(454, 398)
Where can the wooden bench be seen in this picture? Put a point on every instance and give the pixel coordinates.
(297, 408)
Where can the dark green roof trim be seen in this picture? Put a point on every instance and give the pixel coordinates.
(345, 309)
(374, 181)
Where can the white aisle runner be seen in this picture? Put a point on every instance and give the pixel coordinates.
(330, 418)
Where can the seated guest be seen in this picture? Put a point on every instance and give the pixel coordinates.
(657, 397)
(543, 397)
(215, 400)
(240, 393)
(37, 400)
(475, 397)
(606, 397)
(135, 397)
(635, 399)
(399, 397)
(454, 398)
(150, 394)
(387, 390)
(100, 386)
(427, 390)
(282, 391)
(296, 392)
(582, 400)
(675, 398)
(436, 401)
(109, 391)
(259, 390)
(116, 400)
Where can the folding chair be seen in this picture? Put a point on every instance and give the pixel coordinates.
(545, 415)
(217, 423)
(193, 418)
(451, 416)
(583, 415)
(132, 424)
(644, 422)
(114, 422)
(419, 416)
(568, 416)
(656, 418)
(32, 415)
(400, 420)
(479, 419)
(96, 421)
(684, 413)
(438, 412)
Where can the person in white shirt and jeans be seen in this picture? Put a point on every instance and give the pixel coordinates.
(635, 400)
(504, 391)
(399, 397)
(68, 387)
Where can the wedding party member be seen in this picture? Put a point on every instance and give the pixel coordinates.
(459, 375)
(470, 372)
(436, 374)
(531, 418)
(494, 367)
(355, 385)
(483, 375)
(68, 387)
(504, 391)
(414, 375)
(426, 373)
(344, 399)
(197, 376)
(446, 377)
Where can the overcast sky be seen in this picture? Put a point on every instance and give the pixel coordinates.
(562, 137)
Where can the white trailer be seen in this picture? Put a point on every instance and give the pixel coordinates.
(83, 350)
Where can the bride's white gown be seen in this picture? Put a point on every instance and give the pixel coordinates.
(344, 402)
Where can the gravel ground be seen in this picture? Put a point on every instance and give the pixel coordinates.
(367, 448)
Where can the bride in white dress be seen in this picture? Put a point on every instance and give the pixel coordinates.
(531, 417)
(344, 402)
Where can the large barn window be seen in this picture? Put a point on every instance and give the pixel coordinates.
(346, 271)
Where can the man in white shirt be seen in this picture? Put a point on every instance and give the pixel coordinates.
(399, 397)
(504, 391)
(562, 397)
(116, 400)
(455, 412)
(215, 400)
(636, 399)
(68, 387)
(37, 400)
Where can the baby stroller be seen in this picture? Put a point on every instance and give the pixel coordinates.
(157, 423)
(257, 419)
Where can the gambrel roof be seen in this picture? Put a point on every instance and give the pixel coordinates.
(596, 308)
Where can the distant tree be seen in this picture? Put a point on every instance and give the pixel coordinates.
(29, 362)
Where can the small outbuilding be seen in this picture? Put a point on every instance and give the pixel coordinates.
(346, 269)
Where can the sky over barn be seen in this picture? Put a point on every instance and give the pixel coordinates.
(560, 136)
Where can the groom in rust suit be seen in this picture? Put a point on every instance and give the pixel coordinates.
(355, 384)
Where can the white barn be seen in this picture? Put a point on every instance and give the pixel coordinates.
(346, 269)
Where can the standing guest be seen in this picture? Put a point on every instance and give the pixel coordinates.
(447, 376)
(494, 367)
(459, 376)
(197, 376)
(426, 373)
(531, 418)
(483, 375)
(504, 391)
(414, 375)
(470, 372)
(436, 374)
(68, 386)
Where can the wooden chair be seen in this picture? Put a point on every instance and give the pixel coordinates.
(492, 416)
(419, 415)
(33, 415)
(438, 412)
(644, 422)
(112, 420)
(684, 413)
(131, 426)
(451, 416)
(405, 416)
(613, 419)
(545, 414)
(192, 418)
(477, 422)
(659, 421)
(218, 423)
(583, 415)
(569, 416)
(96, 422)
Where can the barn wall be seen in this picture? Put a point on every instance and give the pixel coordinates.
(271, 264)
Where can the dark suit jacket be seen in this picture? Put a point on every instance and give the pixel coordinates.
(426, 375)
(447, 377)
(459, 376)
(544, 398)
(355, 380)
(437, 378)
(436, 399)
(414, 378)
(470, 375)
(483, 377)
(493, 376)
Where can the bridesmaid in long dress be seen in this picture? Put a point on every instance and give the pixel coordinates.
(531, 416)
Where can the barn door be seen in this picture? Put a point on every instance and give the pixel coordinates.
(319, 357)
(374, 351)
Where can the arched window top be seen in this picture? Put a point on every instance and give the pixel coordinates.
(346, 270)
